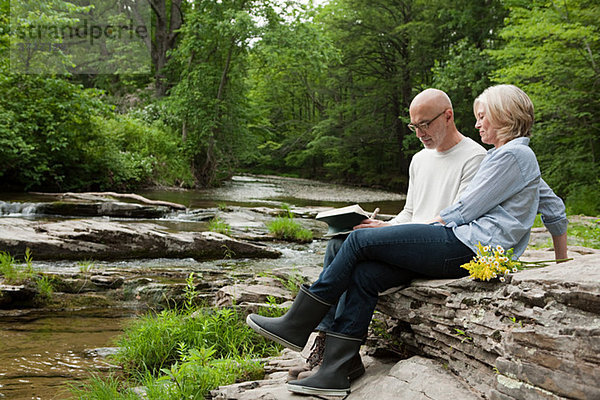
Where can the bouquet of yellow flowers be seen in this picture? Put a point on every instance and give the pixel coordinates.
(494, 262)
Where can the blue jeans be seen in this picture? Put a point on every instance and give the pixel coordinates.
(333, 246)
(373, 260)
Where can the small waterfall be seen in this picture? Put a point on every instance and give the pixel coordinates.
(17, 209)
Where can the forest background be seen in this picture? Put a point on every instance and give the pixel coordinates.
(292, 88)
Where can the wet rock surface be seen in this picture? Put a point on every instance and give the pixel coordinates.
(99, 239)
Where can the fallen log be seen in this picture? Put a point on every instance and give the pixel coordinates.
(91, 196)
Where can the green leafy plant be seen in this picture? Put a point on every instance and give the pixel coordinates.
(291, 282)
(287, 209)
(218, 225)
(86, 266)
(11, 272)
(7, 267)
(190, 293)
(44, 288)
(152, 342)
(463, 335)
(227, 252)
(585, 234)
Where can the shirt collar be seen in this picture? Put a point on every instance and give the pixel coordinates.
(520, 141)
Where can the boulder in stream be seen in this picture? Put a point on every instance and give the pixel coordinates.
(98, 239)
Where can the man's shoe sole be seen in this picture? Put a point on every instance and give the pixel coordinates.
(265, 333)
(317, 391)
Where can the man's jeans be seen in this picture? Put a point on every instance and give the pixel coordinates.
(333, 246)
(372, 260)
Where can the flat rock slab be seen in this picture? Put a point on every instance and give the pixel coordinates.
(416, 378)
(97, 239)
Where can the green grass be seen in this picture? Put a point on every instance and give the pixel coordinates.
(286, 228)
(584, 233)
(153, 341)
(8, 269)
(184, 353)
(580, 232)
(14, 274)
(102, 388)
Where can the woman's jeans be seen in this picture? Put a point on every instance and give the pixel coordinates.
(372, 260)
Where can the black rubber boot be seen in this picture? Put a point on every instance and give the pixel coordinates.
(292, 329)
(356, 369)
(332, 377)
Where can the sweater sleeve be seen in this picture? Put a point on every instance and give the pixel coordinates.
(406, 215)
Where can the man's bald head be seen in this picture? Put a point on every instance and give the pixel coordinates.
(432, 98)
(432, 120)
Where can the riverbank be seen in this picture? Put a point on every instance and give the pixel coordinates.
(143, 284)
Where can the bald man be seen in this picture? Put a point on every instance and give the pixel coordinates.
(437, 175)
(439, 172)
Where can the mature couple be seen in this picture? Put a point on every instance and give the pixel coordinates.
(459, 195)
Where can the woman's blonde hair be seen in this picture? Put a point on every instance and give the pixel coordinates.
(508, 109)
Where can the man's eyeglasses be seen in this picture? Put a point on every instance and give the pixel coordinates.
(424, 125)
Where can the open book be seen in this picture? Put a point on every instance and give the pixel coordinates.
(342, 220)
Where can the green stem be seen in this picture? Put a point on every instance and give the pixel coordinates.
(543, 263)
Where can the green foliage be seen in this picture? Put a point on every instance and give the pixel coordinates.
(7, 268)
(218, 225)
(102, 388)
(184, 353)
(288, 229)
(292, 282)
(463, 76)
(131, 153)
(54, 134)
(552, 51)
(152, 342)
(44, 289)
(584, 233)
(208, 101)
(584, 199)
(303, 91)
(45, 124)
(197, 373)
(14, 274)
(190, 293)
(18, 275)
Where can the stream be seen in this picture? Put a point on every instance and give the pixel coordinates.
(42, 352)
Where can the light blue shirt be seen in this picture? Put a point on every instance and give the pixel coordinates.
(501, 202)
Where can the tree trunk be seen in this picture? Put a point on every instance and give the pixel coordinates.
(167, 24)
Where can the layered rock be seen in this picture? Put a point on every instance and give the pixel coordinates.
(109, 240)
(534, 337)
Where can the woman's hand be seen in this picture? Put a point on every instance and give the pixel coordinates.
(437, 219)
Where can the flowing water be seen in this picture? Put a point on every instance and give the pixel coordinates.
(41, 352)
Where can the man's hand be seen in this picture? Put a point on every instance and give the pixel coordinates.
(371, 223)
